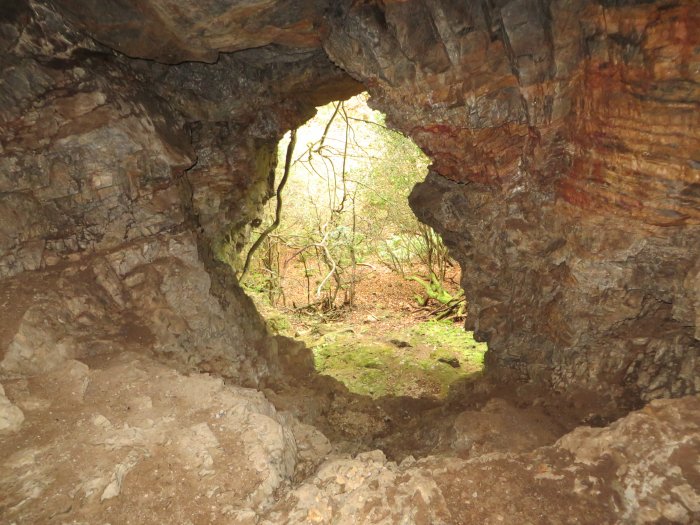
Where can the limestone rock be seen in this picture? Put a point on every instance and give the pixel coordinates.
(641, 469)
(366, 489)
(152, 296)
(563, 141)
(11, 416)
(61, 195)
(171, 32)
(654, 454)
(499, 426)
(47, 325)
(312, 447)
(94, 153)
(573, 222)
(146, 443)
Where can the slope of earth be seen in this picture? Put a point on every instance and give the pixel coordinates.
(125, 439)
(642, 469)
(131, 439)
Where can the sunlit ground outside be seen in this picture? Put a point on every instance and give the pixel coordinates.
(350, 270)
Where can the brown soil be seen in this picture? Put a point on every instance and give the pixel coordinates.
(382, 298)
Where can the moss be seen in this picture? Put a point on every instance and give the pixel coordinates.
(279, 325)
(362, 367)
(451, 341)
(342, 354)
(379, 368)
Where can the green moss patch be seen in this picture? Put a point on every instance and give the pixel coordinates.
(420, 362)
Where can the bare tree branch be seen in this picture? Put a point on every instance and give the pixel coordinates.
(278, 210)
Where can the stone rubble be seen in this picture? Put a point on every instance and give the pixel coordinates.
(139, 442)
(132, 439)
(11, 416)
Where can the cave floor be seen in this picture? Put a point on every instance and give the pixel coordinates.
(128, 439)
(121, 434)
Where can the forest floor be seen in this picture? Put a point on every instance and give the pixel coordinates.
(385, 344)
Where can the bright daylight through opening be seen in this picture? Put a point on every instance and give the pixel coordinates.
(348, 269)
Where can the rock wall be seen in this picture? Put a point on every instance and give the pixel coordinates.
(565, 140)
(564, 136)
(89, 158)
(565, 179)
(122, 182)
(173, 32)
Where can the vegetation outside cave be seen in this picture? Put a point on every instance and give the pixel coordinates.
(342, 263)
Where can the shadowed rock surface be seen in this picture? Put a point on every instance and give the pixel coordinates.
(138, 142)
(565, 141)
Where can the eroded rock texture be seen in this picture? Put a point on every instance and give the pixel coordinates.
(564, 137)
(588, 476)
(134, 177)
(173, 32)
(129, 438)
(137, 142)
(565, 179)
(146, 434)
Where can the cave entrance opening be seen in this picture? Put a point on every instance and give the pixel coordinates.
(350, 270)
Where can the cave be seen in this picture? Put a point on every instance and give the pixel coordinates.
(140, 385)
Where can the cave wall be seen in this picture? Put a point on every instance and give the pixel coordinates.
(137, 148)
(565, 138)
(565, 180)
(122, 183)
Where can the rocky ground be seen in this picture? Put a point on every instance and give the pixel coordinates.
(124, 425)
(125, 439)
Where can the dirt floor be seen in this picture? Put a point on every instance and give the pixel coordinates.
(126, 440)
(385, 344)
